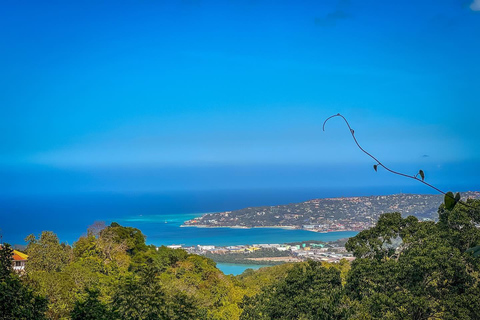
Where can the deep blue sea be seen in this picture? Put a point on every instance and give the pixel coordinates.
(159, 216)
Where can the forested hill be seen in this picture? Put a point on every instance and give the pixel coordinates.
(352, 213)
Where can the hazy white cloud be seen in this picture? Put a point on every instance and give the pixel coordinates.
(475, 6)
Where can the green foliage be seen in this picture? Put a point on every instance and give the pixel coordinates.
(457, 197)
(91, 308)
(139, 299)
(258, 280)
(109, 256)
(376, 242)
(475, 251)
(309, 291)
(458, 224)
(143, 298)
(46, 253)
(17, 300)
(131, 280)
(6, 253)
(216, 294)
(46, 267)
(242, 257)
(406, 269)
(133, 238)
(62, 274)
(449, 200)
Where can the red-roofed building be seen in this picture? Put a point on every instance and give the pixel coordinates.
(19, 260)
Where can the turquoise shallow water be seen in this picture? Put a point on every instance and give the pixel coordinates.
(166, 230)
(158, 216)
(236, 269)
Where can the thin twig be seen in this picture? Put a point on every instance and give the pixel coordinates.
(352, 132)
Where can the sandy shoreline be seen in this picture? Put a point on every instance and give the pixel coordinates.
(241, 227)
(262, 227)
(276, 259)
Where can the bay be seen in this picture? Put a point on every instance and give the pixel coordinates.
(236, 269)
(167, 230)
(158, 216)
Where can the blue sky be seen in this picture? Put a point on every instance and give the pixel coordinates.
(151, 95)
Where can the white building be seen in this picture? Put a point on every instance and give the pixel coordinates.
(19, 260)
(205, 248)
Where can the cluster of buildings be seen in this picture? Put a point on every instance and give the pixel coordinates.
(324, 254)
(339, 225)
(298, 252)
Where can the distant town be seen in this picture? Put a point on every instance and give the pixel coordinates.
(318, 215)
(329, 214)
(273, 253)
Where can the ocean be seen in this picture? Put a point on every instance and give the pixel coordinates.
(159, 216)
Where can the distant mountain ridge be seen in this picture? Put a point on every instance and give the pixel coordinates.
(328, 214)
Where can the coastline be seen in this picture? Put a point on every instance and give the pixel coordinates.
(206, 226)
(264, 227)
(241, 227)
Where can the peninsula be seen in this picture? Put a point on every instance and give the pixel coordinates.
(329, 214)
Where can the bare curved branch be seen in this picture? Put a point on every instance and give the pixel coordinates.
(352, 132)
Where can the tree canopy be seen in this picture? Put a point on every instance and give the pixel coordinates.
(404, 269)
(17, 300)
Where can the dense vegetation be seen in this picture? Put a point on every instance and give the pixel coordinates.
(246, 259)
(405, 269)
(17, 301)
(112, 274)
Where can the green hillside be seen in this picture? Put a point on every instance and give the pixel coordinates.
(404, 269)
